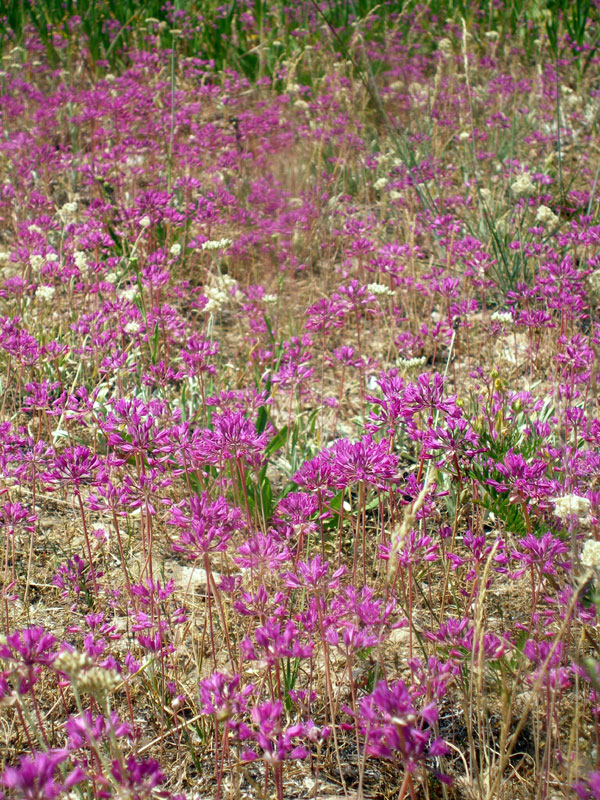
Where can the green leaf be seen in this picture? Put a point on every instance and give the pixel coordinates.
(261, 420)
(277, 442)
(154, 347)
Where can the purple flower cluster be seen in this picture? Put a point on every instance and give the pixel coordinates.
(299, 437)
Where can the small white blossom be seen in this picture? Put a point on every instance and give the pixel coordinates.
(546, 217)
(4, 256)
(590, 555)
(98, 682)
(111, 277)
(216, 244)
(129, 294)
(71, 662)
(175, 249)
(505, 317)
(217, 298)
(523, 186)
(68, 212)
(380, 184)
(270, 299)
(380, 289)
(411, 363)
(145, 221)
(226, 283)
(80, 259)
(36, 261)
(132, 327)
(571, 504)
(45, 292)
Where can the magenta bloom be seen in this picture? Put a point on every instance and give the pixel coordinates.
(272, 741)
(262, 552)
(233, 437)
(589, 787)
(275, 641)
(138, 778)
(34, 778)
(312, 574)
(364, 461)
(220, 695)
(84, 730)
(76, 466)
(394, 729)
(546, 554)
(29, 649)
(208, 526)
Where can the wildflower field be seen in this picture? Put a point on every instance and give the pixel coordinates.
(299, 400)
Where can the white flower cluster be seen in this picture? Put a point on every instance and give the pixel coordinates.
(68, 212)
(270, 299)
(220, 293)
(590, 555)
(217, 298)
(128, 294)
(175, 249)
(380, 184)
(505, 317)
(71, 662)
(546, 217)
(411, 363)
(98, 682)
(45, 292)
(216, 244)
(80, 259)
(226, 283)
(380, 289)
(571, 504)
(523, 186)
(132, 327)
